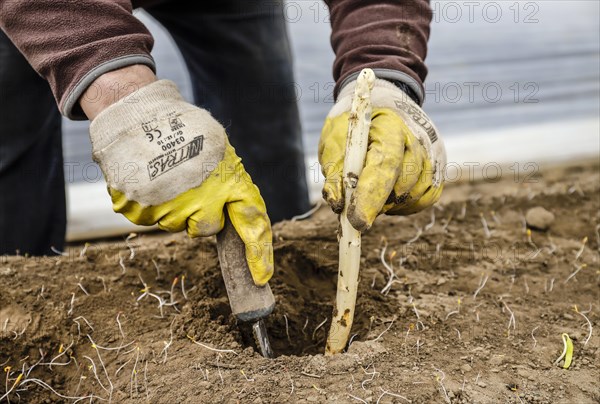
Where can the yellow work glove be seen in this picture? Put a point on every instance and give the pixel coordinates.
(403, 171)
(168, 162)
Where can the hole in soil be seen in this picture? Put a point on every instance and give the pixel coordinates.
(304, 285)
(305, 290)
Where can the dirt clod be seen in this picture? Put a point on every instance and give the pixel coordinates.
(539, 218)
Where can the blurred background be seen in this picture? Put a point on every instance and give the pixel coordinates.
(511, 83)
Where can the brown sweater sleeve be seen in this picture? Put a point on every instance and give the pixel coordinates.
(388, 36)
(70, 43)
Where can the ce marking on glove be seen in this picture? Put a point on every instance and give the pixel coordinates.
(151, 129)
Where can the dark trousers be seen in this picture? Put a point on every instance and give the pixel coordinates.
(239, 59)
(32, 189)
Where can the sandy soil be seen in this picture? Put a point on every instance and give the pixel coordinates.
(472, 315)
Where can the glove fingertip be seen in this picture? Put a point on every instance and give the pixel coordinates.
(333, 199)
(259, 256)
(250, 220)
(261, 273)
(358, 219)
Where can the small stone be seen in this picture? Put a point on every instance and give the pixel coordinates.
(539, 218)
(204, 384)
(482, 384)
(440, 281)
(466, 368)
(568, 316)
(312, 399)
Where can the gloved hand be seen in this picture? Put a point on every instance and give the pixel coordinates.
(403, 171)
(169, 162)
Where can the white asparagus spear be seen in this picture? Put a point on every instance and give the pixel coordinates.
(349, 237)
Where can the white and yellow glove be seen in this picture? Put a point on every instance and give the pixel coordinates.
(168, 162)
(403, 171)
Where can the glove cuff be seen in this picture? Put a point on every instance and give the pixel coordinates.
(403, 81)
(385, 94)
(129, 112)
